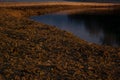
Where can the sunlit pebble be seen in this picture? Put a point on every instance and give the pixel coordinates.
(90, 68)
(90, 43)
(35, 32)
(48, 63)
(27, 39)
(119, 53)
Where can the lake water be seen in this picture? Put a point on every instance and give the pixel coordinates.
(60, 0)
(100, 29)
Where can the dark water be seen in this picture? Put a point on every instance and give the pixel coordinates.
(60, 0)
(100, 29)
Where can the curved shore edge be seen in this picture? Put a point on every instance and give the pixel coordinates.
(35, 51)
(82, 7)
(8, 4)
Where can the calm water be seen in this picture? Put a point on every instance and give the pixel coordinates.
(100, 29)
(62, 0)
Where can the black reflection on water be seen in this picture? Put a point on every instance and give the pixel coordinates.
(100, 29)
(108, 25)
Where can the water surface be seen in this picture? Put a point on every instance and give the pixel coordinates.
(100, 29)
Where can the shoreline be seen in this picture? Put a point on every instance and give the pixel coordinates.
(33, 50)
(15, 4)
(82, 7)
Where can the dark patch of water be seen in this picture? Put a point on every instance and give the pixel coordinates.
(100, 29)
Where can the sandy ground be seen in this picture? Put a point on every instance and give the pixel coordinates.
(11, 4)
(69, 7)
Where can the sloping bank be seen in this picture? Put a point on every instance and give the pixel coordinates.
(34, 51)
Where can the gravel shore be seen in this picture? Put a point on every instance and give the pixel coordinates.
(31, 50)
